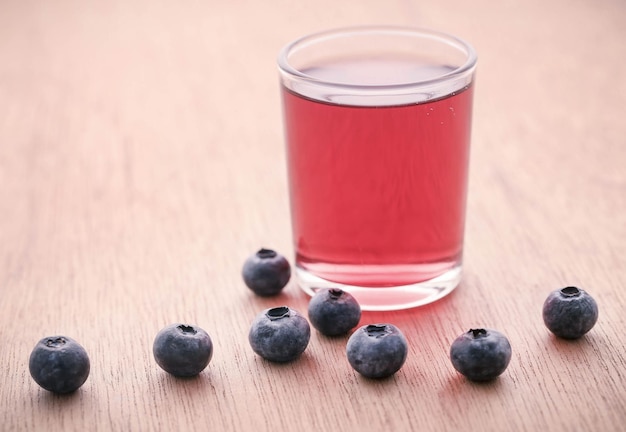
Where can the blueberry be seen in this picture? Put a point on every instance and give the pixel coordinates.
(182, 350)
(570, 312)
(279, 334)
(266, 272)
(334, 312)
(59, 364)
(377, 350)
(481, 354)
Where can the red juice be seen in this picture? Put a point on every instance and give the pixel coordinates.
(378, 192)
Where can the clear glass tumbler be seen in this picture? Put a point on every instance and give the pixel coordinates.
(377, 125)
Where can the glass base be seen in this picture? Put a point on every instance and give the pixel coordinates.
(387, 298)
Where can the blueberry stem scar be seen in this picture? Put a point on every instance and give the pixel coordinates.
(57, 342)
(266, 253)
(187, 329)
(478, 332)
(570, 291)
(376, 330)
(278, 313)
(335, 292)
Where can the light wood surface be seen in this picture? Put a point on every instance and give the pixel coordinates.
(141, 161)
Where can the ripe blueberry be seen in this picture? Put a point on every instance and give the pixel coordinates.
(59, 364)
(266, 272)
(279, 334)
(182, 350)
(570, 312)
(377, 350)
(481, 354)
(334, 312)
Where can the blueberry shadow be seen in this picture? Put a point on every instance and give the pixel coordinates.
(60, 397)
(293, 298)
(52, 403)
(392, 380)
(572, 348)
(334, 339)
(305, 362)
(457, 386)
(192, 384)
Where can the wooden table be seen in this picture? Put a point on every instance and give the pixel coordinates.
(141, 161)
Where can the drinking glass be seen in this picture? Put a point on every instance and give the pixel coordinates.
(377, 126)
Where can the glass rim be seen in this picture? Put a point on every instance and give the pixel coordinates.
(310, 39)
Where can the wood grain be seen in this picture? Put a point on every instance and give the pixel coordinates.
(141, 161)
